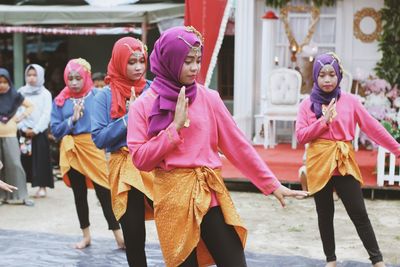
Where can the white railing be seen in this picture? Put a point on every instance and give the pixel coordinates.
(390, 175)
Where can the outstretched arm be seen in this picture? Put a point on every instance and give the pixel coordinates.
(375, 130)
(242, 154)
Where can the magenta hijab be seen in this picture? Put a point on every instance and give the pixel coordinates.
(166, 61)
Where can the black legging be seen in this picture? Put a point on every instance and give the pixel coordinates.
(133, 228)
(349, 191)
(221, 240)
(78, 185)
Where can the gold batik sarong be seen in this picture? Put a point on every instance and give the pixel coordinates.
(324, 157)
(80, 153)
(181, 199)
(123, 176)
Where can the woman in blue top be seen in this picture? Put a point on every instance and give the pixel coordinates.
(131, 190)
(82, 164)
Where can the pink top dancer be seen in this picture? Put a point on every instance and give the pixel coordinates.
(350, 112)
(211, 127)
(327, 121)
(177, 128)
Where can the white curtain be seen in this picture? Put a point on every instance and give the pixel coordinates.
(324, 36)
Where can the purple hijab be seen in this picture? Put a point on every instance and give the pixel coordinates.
(166, 61)
(318, 96)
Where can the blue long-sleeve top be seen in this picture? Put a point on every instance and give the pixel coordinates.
(61, 117)
(108, 133)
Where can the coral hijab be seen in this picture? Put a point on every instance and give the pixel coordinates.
(117, 78)
(81, 66)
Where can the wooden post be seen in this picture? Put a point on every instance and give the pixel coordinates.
(144, 31)
(18, 51)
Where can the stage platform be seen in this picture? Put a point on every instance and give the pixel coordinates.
(285, 163)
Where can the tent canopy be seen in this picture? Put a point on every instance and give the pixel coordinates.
(137, 13)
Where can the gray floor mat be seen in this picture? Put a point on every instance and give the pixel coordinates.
(31, 249)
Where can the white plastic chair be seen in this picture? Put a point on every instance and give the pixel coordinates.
(282, 102)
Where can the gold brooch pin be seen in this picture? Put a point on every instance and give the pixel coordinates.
(187, 123)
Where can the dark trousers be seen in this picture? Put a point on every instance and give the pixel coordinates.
(37, 166)
(78, 185)
(133, 228)
(349, 191)
(221, 240)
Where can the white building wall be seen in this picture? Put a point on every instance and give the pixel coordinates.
(356, 54)
(244, 86)
(248, 47)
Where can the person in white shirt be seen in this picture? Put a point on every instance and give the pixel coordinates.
(34, 142)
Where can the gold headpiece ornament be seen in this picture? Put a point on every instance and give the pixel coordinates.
(198, 34)
(136, 53)
(336, 57)
(83, 63)
(191, 29)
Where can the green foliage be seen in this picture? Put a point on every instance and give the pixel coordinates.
(389, 43)
(282, 3)
(392, 129)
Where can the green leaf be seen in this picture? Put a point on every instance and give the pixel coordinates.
(389, 43)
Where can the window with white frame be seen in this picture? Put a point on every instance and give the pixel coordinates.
(324, 36)
(324, 39)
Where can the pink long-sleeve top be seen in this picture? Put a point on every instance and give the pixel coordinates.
(350, 112)
(211, 128)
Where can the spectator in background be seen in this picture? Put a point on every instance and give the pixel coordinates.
(98, 79)
(33, 131)
(13, 172)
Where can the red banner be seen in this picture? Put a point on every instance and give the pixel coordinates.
(208, 17)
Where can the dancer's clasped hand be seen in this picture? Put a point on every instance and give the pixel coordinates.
(330, 111)
(181, 109)
(78, 112)
(133, 95)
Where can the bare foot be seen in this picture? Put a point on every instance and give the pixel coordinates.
(331, 264)
(379, 264)
(119, 238)
(85, 242)
(41, 192)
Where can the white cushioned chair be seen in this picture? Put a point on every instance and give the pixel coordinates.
(282, 102)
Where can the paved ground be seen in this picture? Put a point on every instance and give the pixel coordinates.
(21, 248)
(43, 235)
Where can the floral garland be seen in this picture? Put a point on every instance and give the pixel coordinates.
(317, 3)
(303, 9)
(359, 16)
